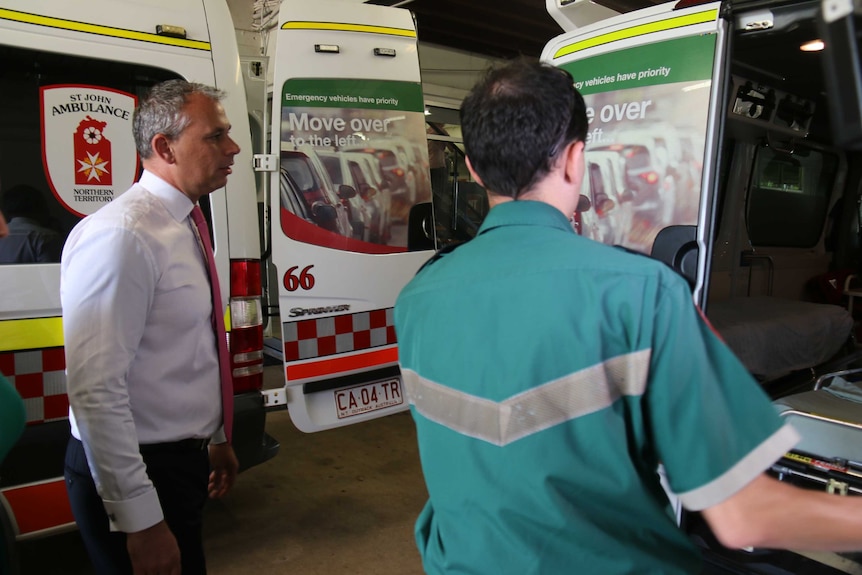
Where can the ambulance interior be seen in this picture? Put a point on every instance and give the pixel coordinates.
(785, 249)
(786, 233)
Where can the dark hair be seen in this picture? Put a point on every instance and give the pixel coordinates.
(162, 111)
(516, 120)
(24, 201)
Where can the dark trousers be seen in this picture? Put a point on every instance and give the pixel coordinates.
(180, 477)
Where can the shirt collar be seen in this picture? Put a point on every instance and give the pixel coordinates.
(177, 203)
(525, 213)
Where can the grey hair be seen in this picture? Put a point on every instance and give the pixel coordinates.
(161, 111)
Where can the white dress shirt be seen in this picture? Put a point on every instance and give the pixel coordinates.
(141, 359)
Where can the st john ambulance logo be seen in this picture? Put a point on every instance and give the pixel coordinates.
(92, 153)
(88, 150)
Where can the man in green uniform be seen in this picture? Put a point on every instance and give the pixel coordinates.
(549, 377)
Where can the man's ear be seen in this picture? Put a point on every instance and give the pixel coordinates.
(473, 173)
(574, 159)
(161, 147)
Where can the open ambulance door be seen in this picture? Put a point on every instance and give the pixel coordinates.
(652, 89)
(648, 82)
(348, 137)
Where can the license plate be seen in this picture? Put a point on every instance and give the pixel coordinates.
(361, 399)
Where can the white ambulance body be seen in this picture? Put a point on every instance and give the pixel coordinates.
(344, 87)
(72, 73)
(344, 75)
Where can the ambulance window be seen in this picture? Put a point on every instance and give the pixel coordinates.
(637, 157)
(460, 204)
(333, 167)
(358, 178)
(300, 169)
(387, 158)
(597, 186)
(291, 196)
(789, 196)
(65, 145)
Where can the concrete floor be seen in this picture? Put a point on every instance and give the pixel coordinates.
(339, 501)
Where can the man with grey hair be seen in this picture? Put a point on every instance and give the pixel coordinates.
(149, 428)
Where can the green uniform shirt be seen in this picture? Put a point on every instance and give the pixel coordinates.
(548, 376)
(12, 416)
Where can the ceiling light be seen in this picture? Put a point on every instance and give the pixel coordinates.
(812, 46)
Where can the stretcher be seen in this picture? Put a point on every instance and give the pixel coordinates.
(829, 455)
(775, 336)
(827, 458)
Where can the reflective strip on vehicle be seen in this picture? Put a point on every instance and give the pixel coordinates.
(300, 25)
(18, 334)
(702, 17)
(100, 30)
(39, 507)
(39, 376)
(335, 334)
(339, 365)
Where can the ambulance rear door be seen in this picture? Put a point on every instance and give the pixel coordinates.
(348, 138)
(648, 81)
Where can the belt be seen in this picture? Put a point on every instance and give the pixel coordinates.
(192, 444)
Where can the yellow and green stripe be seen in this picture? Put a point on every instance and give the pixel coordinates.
(99, 30)
(701, 17)
(366, 28)
(36, 333)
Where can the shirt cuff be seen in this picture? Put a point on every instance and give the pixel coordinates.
(741, 474)
(135, 514)
(219, 436)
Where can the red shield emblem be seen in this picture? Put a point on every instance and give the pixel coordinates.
(92, 153)
(88, 150)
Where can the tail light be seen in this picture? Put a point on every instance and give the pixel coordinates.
(649, 177)
(246, 326)
(398, 172)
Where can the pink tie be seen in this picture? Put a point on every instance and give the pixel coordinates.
(218, 321)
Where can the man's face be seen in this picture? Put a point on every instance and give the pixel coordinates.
(204, 151)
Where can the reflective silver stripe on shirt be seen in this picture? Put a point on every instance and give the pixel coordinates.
(571, 396)
(756, 462)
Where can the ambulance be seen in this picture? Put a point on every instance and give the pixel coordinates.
(336, 291)
(333, 77)
(734, 132)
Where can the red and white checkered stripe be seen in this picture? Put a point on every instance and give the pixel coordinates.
(39, 375)
(324, 336)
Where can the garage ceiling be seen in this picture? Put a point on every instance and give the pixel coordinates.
(497, 29)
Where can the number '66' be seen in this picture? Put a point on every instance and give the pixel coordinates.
(304, 280)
